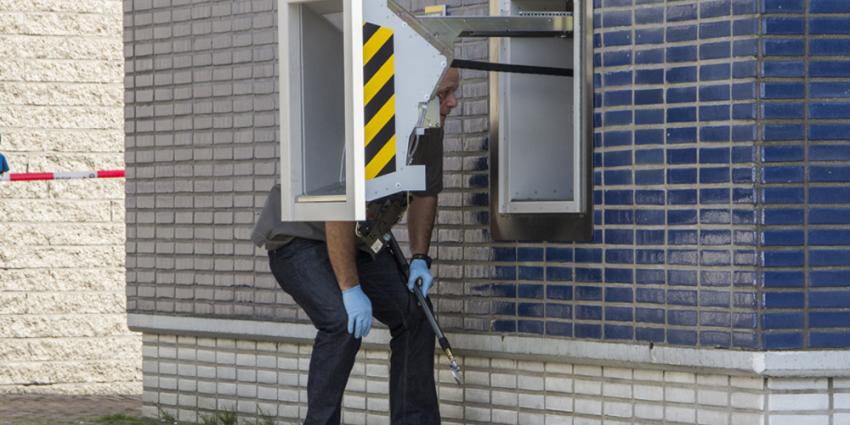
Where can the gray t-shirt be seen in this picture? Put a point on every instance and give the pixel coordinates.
(273, 233)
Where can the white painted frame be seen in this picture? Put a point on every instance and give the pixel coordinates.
(295, 207)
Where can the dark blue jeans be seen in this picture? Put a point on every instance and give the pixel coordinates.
(303, 270)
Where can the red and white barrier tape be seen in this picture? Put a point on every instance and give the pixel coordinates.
(67, 175)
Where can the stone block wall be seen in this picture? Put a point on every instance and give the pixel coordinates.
(62, 281)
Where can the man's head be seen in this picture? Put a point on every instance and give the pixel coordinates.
(446, 93)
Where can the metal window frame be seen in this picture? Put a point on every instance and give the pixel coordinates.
(296, 207)
(547, 220)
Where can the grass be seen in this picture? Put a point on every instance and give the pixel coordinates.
(217, 418)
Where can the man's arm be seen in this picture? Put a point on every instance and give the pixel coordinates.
(420, 222)
(341, 251)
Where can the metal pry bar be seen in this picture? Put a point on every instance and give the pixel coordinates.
(426, 308)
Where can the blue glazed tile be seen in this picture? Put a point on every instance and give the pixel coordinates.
(617, 138)
(829, 278)
(744, 133)
(559, 254)
(783, 341)
(829, 320)
(504, 325)
(829, 6)
(619, 216)
(823, 25)
(588, 293)
(682, 237)
(650, 217)
(714, 155)
(782, 110)
(617, 98)
(783, 195)
(649, 177)
(649, 256)
(682, 317)
(828, 131)
(715, 278)
(782, 132)
(682, 278)
(678, 297)
(613, 118)
(714, 93)
(784, 300)
(530, 254)
(777, 68)
(618, 3)
(682, 176)
(619, 314)
(829, 90)
(829, 216)
(744, 69)
(682, 12)
(620, 295)
(588, 275)
(743, 27)
(715, 8)
(744, 320)
(783, 321)
(649, 156)
(504, 290)
(783, 47)
(830, 258)
(827, 195)
(715, 30)
(504, 254)
(530, 291)
(783, 238)
(714, 113)
(783, 6)
(619, 236)
(684, 74)
(743, 91)
(559, 311)
(681, 33)
(682, 257)
(830, 153)
(745, 48)
(744, 300)
(829, 174)
(829, 339)
(504, 308)
(649, 315)
(652, 15)
(784, 174)
(559, 292)
(588, 331)
(619, 197)
(649, 76)
(829, 69)
(564, 329)
(649, 334)
(651, 295)
(681, 54)
(715, 50)
(597, 58)
(649, 97)
(715, 299)
(714, 216)
(618, 332)
(649, 116)
(828, 47)
(530, 326)
(650, 56)
(742, 175)
(618, 159)
(618, 38)
(681, 95)
(617, 19)
(829, 110)
(649, 137)
(617, 58)
(721, 71)
(783, 25)
(743, 217)
(681, 217)
(505, 272)
(715, 237)
(715, 338)
(530, 310)
(681, 135)
(650, 197)
(619, 256)
(649, 237)
(783, 153)
(743, 196)
(530, 273)
(682, 156)
(744, 111)
(744, 7)
(588, 255)
(715, 134)
(719, 258)
(783, 258)
(588, 312)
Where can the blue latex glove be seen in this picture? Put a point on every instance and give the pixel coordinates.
(359, 310)
(419, 268)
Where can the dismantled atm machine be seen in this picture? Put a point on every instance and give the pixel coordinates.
(357, 83)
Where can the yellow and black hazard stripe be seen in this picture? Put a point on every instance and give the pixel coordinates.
(379, 98)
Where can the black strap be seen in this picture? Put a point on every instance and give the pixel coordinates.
(517, 69)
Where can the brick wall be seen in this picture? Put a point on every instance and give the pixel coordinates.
(62, 297)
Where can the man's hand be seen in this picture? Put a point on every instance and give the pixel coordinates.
(419, 269)
(359, 310)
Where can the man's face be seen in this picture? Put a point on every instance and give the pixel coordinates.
(446, 93)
